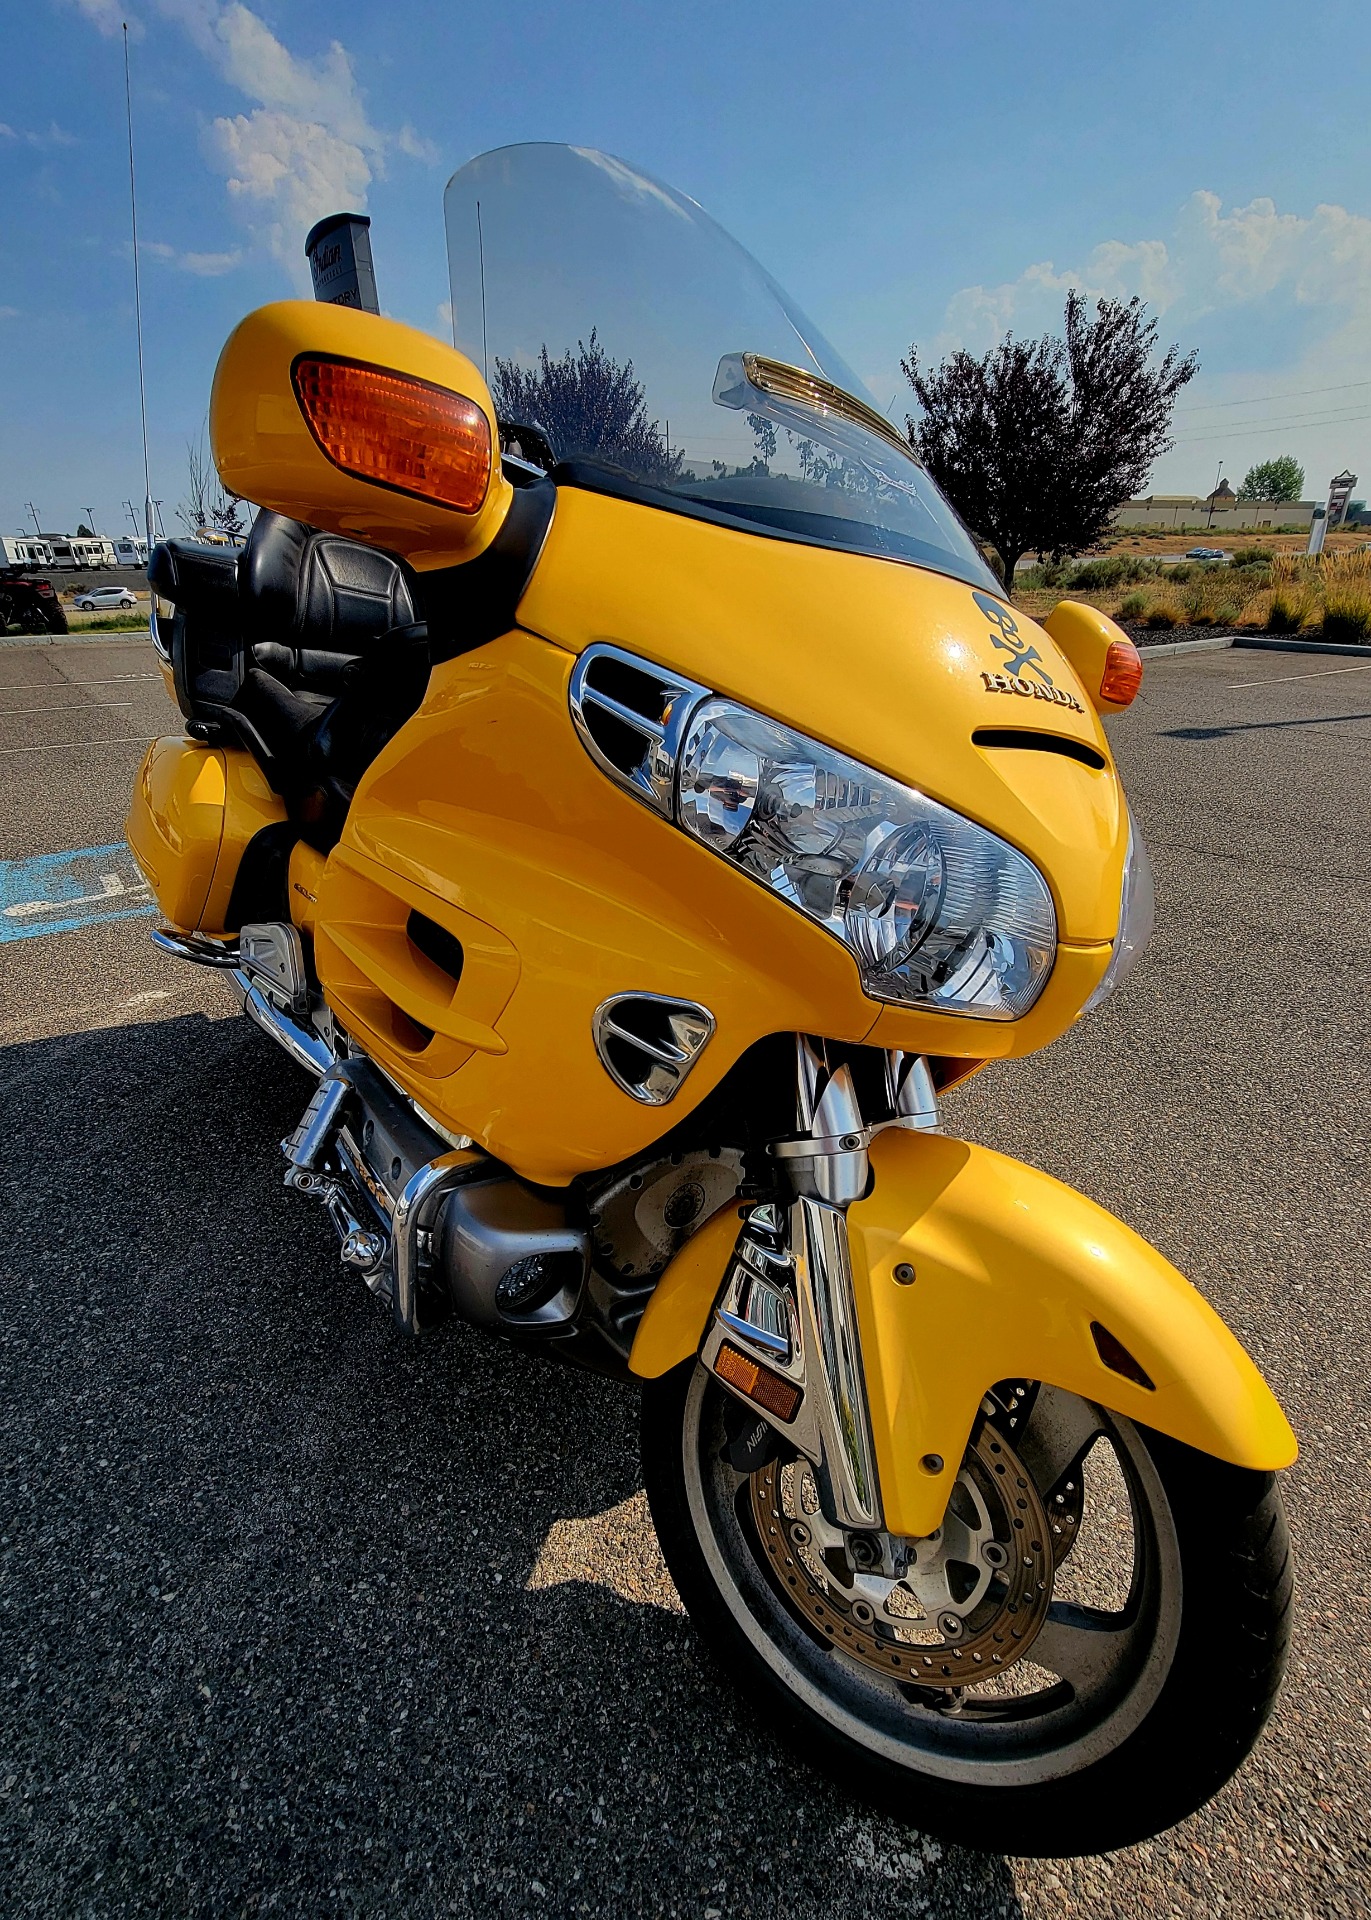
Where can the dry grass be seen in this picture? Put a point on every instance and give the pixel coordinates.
(1277, 592)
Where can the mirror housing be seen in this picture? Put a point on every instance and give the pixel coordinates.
(1106, 661)
(362, 426)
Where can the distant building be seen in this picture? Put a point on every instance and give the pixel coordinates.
(1181, 510)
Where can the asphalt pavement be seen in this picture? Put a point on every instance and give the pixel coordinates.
(297, 1617)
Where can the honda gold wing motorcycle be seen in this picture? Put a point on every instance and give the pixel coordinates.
(611, 770)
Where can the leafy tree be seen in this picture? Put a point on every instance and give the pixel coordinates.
(1038, 442)
(1278, 479)
(586, 405)
(208, 505)
(83, 532)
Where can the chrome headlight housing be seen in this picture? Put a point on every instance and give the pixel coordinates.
(1137, 916)
(937, 912)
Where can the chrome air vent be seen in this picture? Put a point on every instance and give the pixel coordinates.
(631, 717)
(647, 1044)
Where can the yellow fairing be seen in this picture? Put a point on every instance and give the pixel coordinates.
(1013, 1270)
(195, 808)
(487, 816)
(886, 662)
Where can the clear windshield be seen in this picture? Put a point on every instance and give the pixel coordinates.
(627, 339)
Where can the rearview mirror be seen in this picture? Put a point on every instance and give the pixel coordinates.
(362, 426)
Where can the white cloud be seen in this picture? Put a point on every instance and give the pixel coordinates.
(305, 147)
(285, 174)
(207, 265)
(9, 313)
(1280, 303)
(54, 137)
(109, 16)
(413, 143)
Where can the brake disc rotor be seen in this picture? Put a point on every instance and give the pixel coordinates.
(948, 1611)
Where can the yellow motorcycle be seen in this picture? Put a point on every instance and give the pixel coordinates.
(613, 772)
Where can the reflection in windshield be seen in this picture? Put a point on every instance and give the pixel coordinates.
(586, 407)
(602, 308)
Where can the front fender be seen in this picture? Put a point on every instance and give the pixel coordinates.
(1014, 1275)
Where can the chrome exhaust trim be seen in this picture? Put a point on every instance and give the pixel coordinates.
(199, 948)
(306, 1049)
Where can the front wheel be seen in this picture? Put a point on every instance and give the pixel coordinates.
(1081, 1656)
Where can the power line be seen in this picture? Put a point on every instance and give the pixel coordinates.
(1259, 399)
(1255, 433)
(1323, 414)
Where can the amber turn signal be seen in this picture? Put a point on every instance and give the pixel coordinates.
(396, 431)
(759, 1383)
(1123, 671)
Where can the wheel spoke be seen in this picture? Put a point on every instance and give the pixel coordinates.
(1060, 1429)
(1083, 1645)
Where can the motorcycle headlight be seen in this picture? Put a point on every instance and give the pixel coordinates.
(937, 912)
(1137, 913)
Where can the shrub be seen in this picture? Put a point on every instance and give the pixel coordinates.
(1285, 614)
(1253, 556)
(1347, 617)
(1180, 574)
(1133, 607)
(1119, 570)
(1162, 617)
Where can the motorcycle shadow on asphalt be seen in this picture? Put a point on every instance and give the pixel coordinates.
(302, 1610)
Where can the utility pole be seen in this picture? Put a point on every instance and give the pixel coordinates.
(1217, 477)
(129, 510)
(34, 511)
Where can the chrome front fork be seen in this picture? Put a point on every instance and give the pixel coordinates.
(788, 1313)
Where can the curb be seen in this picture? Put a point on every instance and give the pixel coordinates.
(1207, 645)
(1302, 646)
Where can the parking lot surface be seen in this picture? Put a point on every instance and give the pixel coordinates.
(298, 1618)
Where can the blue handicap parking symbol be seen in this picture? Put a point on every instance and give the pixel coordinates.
(62, 892)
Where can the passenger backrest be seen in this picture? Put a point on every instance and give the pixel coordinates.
(310, 602)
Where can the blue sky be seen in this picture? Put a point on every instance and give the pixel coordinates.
(911, 174)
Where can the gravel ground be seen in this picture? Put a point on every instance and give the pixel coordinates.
(298, 1618)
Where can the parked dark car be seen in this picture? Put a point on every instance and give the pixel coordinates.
(29, 605)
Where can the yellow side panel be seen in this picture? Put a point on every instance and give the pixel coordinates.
(194, 810)
(306, 874)
(892, 664)
(486, 814)
(249, 805)
(1012, 1268)
(176, 823)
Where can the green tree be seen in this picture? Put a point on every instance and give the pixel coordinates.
(1278, 479)
(585, 406)
(1039, 442)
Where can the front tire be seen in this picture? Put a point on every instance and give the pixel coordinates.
(1158, 1692)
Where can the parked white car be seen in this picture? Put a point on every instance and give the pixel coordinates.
(101, 599)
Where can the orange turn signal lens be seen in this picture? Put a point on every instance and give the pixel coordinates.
(777, 1396)
(395, 431)
(1122, 675)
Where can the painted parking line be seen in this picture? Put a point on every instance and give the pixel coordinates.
(63, 892)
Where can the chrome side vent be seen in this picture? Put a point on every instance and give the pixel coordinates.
(648, 1043)
(631, 717)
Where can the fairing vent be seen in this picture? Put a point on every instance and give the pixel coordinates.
(631, 717)
(647, 1043)
(1027, 740)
